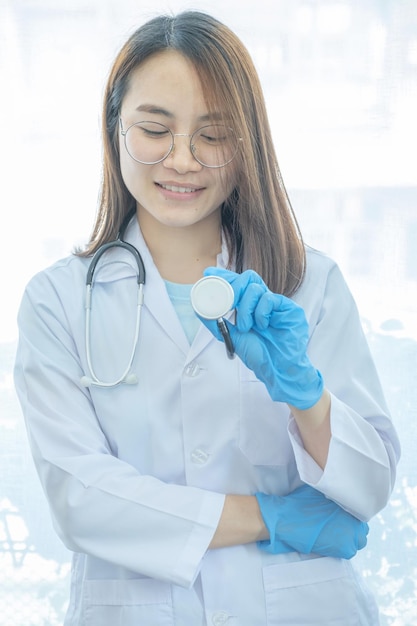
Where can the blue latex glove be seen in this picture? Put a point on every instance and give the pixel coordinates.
(306, 521)
(270, 337)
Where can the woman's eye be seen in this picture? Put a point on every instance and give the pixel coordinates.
(214, 138)
(154, 133)
(152, 130)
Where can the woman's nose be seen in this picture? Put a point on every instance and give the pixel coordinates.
(181, 157)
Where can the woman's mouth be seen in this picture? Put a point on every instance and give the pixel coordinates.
(179, 188)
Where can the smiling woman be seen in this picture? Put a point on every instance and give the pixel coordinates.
(206, 490)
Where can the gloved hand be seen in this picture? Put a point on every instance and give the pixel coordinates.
(271, 336)
(306, 521)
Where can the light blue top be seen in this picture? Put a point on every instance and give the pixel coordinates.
(180, 298)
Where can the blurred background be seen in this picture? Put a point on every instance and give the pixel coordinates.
(340, 80)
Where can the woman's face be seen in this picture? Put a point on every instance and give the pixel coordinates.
(178, 192)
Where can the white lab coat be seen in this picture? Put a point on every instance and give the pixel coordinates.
(135, 475)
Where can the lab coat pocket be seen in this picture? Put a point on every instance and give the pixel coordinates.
(263, 436)
(127, 603)
(312, 592)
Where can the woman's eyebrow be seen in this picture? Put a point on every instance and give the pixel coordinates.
(153, 108)
(212, 117)
(158, 110)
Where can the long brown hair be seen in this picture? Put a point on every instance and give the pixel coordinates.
(259, 223)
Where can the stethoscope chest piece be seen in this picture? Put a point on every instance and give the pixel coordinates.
(212, 298)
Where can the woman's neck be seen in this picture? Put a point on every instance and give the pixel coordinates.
(181, 254)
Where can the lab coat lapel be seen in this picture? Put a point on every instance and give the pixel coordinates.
(202, 339)
(159, 305)
(156, 298)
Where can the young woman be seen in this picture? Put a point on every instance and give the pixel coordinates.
(196, 489)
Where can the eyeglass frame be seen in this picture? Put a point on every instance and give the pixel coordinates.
(173, 135)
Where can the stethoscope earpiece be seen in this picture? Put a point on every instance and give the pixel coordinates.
(130, 379)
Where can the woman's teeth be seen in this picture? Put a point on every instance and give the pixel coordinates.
(178, 189)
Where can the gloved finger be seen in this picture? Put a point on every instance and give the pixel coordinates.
(362, 535)
(288, 314)
(275, 546)
(268, 304)
(228, 275)
(248, 305)
(239, 282)
(268, 506)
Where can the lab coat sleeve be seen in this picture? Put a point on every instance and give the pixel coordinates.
(100, 505)
(364, 450)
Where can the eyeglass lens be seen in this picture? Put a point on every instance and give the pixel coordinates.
(214, 145)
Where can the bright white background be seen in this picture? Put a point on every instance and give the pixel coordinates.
(340, 79)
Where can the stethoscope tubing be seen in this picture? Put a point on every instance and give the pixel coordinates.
(230, 349)
(117, 243)
(94, 380)
(125, 377)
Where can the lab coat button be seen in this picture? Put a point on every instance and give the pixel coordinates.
(192, 369)
(199, 457)
(219, 618)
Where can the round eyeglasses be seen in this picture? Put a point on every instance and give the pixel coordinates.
(214, 145)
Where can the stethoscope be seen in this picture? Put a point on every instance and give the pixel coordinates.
(211, 297)
(126, 377)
